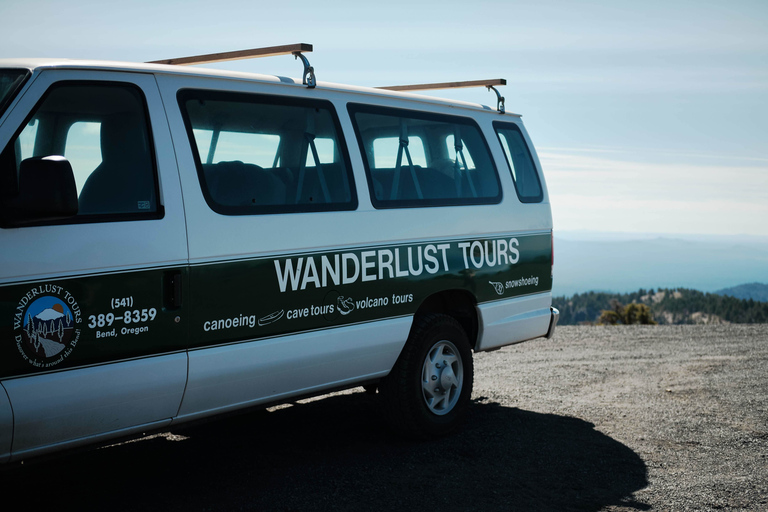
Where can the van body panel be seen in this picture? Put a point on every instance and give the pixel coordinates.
(69, 405)
(513, 321)
(231, 376)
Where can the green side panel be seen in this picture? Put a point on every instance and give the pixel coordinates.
(52, 325)
(55, 324)
(251, 299)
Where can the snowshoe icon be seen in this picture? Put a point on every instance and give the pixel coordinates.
(499, 287)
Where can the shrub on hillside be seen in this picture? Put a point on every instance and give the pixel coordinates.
(630, 314)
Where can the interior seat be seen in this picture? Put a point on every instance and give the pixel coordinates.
(124, 181)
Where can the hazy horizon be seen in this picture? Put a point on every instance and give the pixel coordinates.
(592, 235)
(624, 262)
(647, 117)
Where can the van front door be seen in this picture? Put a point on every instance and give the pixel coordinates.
(92, 312)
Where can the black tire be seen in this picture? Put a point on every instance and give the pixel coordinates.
(422, 397)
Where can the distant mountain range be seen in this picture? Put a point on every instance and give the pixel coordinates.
(754, 291)
(666, 306)
(625, 262)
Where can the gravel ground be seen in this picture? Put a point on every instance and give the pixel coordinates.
(619, 418)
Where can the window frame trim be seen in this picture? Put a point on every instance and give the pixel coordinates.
(353, 108)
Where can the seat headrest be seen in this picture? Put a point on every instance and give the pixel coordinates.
(123, 136)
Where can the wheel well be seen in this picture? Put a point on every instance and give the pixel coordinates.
(456, 303)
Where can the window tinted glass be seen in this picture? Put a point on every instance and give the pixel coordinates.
(101, 128)
(326, 151)
(26, 140)
(251, 148)
(450, 146)
(412, 158)
(520, 162)
(10, 82)
(385, 151)
(83, 150)
(267, 154)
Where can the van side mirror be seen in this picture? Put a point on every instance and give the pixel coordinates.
(47, 192)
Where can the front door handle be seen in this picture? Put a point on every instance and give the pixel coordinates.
(173, 292)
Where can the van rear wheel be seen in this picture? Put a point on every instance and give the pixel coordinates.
(428, 391)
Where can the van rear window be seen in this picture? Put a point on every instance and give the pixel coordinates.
(417, 159)
(259, 154)
(520, 162)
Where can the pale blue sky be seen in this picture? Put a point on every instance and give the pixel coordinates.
(648, 116)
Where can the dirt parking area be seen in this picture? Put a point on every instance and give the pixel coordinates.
(689, 403)
(620, 418)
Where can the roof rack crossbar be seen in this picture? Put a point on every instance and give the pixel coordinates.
(489, 84)
(297, 50)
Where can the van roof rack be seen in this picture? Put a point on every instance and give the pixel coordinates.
(489, 84)
(297, 50)
(308, 77)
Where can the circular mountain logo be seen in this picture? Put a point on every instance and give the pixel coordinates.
(46, 331)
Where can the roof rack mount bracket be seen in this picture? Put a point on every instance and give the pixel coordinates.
(308, 77)
(499, 99)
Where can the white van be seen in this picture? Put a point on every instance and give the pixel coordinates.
(177, 243)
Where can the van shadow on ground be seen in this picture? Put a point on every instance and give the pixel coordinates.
(334, 454)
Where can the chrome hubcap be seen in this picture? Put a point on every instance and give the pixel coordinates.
(442, 377)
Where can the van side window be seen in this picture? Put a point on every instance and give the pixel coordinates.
(259, 154)
(101, 129)
(520, 162)
(420, 159)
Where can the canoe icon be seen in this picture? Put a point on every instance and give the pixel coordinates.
(272, 317)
